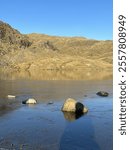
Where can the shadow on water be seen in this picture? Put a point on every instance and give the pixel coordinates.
(79, 134)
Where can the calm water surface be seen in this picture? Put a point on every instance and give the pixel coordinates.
(45, 127)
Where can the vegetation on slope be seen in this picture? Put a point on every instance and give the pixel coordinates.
(42, 52)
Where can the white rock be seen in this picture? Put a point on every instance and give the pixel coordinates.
(30, 101)
(11, 96)
(69, 105)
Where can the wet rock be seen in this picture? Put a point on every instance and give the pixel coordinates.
(29, 101)
(71, 105)
(49, 103)
(102, 93)
(11, 96)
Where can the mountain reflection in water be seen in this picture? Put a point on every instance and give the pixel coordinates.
(56, 75)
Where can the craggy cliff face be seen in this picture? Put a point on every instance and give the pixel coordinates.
(12, 36)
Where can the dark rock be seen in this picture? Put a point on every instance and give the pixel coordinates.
(25, 43)
(85, 95)
(49, 103)
(79, 108)
(102, 93)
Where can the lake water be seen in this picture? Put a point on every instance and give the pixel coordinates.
(44, 126)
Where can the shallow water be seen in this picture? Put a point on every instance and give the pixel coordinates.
(44, 127)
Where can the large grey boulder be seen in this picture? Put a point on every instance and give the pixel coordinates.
(29, 101)
(71, 105)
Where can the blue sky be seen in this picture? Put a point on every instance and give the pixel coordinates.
(88, 18)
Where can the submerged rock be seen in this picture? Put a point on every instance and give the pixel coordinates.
(102, 93)
(85, 95)
(29, 101)
(71, 105)
(51, 102)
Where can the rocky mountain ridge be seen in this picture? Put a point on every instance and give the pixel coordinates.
(37, 52)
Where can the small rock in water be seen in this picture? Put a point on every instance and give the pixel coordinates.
(71, 105)
(50, 103)
(4, 149)
(29, 101)
(11, 96)
(102, 93)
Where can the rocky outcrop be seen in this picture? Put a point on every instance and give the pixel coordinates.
(49, 45)
(71, 105)
(12, 36)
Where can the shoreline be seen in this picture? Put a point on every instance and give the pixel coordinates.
(56, 75)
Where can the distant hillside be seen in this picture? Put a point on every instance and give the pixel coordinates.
(43, 52)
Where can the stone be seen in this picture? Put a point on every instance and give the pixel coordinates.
(11, 96)
(102, 93)
(71, 105)
(29, 101)
(49, 103)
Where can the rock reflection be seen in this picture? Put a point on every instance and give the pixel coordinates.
(5, 108)
(69, 116)
(7, 105)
